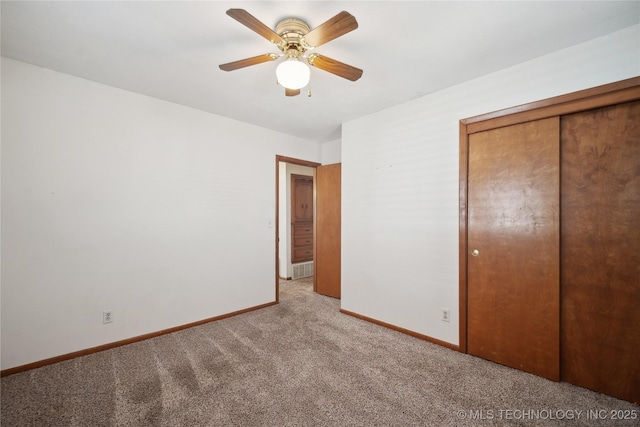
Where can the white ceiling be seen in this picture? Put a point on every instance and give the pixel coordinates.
(407, 49)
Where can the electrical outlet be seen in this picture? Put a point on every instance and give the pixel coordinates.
(107, 316)
(445, 315)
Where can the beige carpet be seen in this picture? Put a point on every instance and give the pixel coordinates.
(300, 363)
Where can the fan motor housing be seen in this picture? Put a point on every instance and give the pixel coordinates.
(292, 25)
(292, 31)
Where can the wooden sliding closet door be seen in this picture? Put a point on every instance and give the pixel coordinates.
(513, 246)
(601, 250)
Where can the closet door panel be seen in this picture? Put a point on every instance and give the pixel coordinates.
(513, 224)
(601, 250)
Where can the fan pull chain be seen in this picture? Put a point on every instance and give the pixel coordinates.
(309, 90)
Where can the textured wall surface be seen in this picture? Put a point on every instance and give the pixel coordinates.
(400, 182)
(116, 201)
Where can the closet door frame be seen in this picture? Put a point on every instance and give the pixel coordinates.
(588, 99)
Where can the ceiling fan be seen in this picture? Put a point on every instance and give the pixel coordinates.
(295, 40)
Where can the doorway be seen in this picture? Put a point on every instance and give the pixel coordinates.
(325, 224)
(286, 168)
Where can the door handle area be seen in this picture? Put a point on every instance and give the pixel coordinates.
(475, 252)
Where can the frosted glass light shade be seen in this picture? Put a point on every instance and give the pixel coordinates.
(293, 74)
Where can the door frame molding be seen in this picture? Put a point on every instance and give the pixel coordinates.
(293, 161)
(588, 99)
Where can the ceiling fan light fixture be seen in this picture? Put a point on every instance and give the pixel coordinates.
(294, 38)
(293, 74)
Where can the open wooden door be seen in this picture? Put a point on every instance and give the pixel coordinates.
(326, 280)
(513, 244)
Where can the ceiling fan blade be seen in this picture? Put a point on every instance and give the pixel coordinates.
(291, 92)
(335, 27)
(230, 66)
(335, 67)
(251, 22)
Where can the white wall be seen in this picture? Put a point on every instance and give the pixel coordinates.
(113, 200)
(400, 182)
(331, 152)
